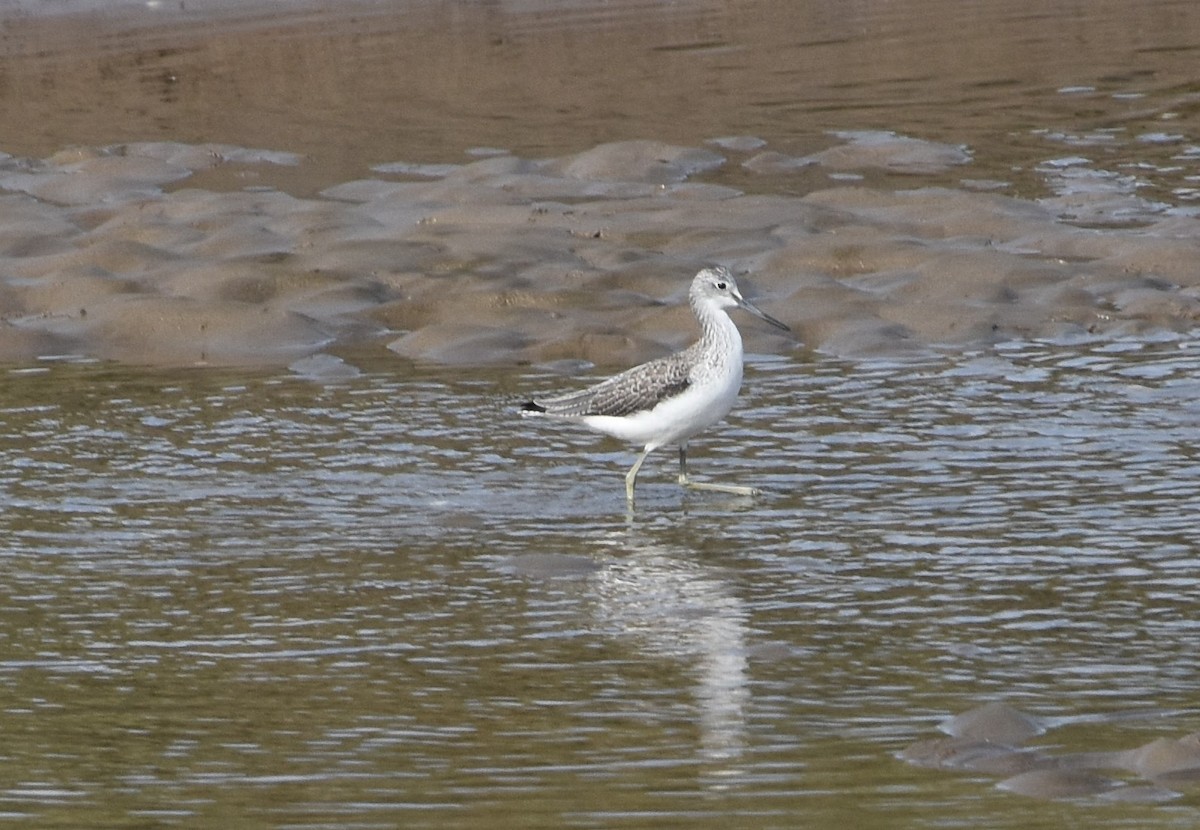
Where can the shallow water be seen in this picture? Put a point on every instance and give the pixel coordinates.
(389, 602)
(347, 84)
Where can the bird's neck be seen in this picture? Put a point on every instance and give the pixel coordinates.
(718, 334)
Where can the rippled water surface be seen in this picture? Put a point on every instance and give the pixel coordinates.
(390, 602)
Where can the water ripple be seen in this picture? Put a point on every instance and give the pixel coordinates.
(229, 586)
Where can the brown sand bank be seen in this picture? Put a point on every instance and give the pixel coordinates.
(994, 739)
(970, 224)
(109, 253)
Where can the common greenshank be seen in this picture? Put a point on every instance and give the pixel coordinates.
(668, 400)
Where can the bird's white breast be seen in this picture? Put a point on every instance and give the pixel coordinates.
(713, 390)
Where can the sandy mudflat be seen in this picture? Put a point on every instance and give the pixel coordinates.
(890, 180)
(109, 253)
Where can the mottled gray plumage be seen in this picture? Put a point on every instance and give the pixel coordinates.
(634, 390)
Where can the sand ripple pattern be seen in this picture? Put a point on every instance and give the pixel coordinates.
(110, 253)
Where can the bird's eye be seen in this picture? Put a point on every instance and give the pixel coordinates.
(722, 286)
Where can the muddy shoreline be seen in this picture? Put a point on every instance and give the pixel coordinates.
(211, 186)
(109, 254)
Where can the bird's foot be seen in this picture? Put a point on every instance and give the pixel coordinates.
(732, 489)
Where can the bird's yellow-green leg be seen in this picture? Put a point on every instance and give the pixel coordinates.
(631, 476)
(733, 489)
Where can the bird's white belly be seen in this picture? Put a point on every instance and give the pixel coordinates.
(676, 419)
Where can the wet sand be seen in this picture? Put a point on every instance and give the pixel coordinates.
(991, 739)
(509, 260)
(867, 239)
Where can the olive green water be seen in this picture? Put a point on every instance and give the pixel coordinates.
(262, 601)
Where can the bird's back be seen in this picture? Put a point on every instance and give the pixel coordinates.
(638, 389)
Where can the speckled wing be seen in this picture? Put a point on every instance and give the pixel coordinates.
(634, 390)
